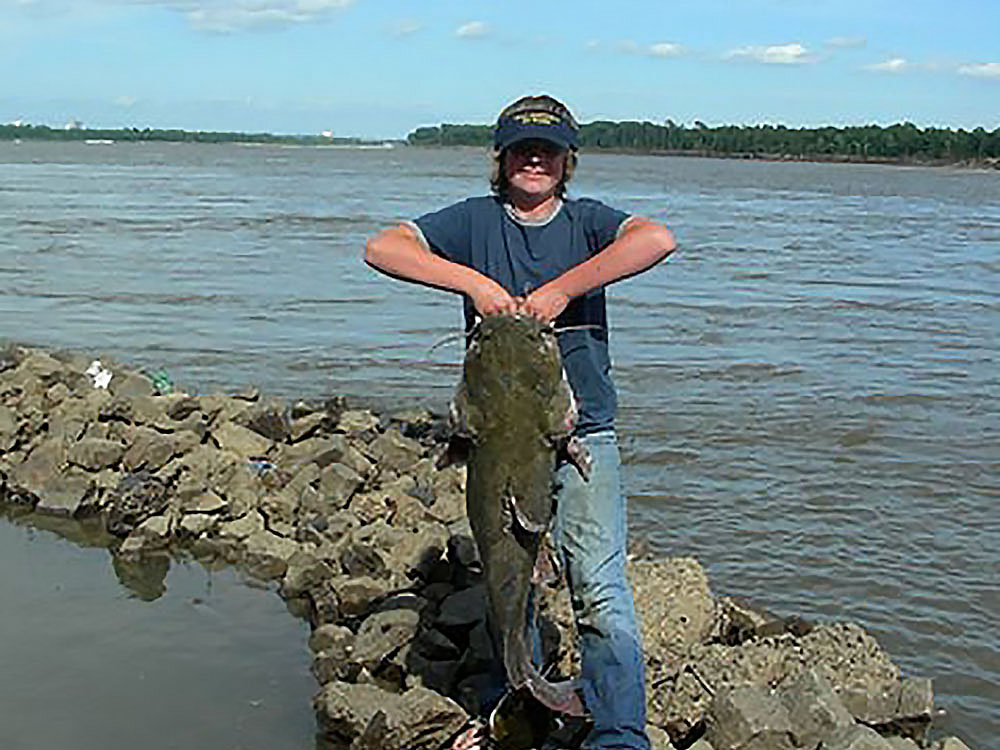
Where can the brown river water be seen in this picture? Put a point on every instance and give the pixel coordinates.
(808, 397)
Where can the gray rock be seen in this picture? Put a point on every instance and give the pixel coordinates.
(813, 708)
(333, 646)
(343, 711)
(435, 674)
(203, 502)
(463, 609)
(306, 426)
(421, 719)
(137, 497)
(871, 703)
(281, 506)
(331, 637)
(916, 698)
(660, 740)
(748, 717)
(449, 494)
(195, 524)
(95, 454)
(269, 418)
(152, 534)
(38, 366)
(856, 737)
(241, 487)
(148, 410)
(243, 526)
(56, 394)
(480, 655)
(383, 634)
(677, 606)
(267, 554)
(356, 596)
(363, 717)
(436, 646)
(127, 383)
(305, 571)
(149, 450)
(372, 506)
(392, 451)
(64, 494)
(321, 451)
(338, 483)
(334, 666)
(8, 428)
(34, 474)
(240, 440)
(412, 553)
(951, 743)
(357, 422)
(180, 407)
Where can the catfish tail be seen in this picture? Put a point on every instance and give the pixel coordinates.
(562, 697)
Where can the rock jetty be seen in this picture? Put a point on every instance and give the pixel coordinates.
(345, 510)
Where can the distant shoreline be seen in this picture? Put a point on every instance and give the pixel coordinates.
(477, 137)
(899, 144)
(107, 136)
(984, 164)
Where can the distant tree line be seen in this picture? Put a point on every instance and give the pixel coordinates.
(902, 142)
(42, 132)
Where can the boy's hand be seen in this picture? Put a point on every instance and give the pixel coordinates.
(545, 303)
(492, 299)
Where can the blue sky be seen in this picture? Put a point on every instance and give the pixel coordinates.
(381, 68)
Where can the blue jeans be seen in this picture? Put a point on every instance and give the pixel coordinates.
(590, 532)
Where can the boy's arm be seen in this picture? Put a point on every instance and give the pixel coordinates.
(641, 245)
(400, 252)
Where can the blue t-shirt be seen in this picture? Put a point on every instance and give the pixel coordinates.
(480, 233)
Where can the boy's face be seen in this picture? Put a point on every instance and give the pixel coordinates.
(534, 167)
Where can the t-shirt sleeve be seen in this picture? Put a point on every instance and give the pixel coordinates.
(601, 223)
(448, 232)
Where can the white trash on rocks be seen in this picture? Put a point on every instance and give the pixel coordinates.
(99, 376)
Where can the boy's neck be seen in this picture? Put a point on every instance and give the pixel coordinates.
(530, 208)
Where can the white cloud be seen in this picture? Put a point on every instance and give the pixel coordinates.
(125, 102)
(234, 15)
(982, 70)
(405, 27)
(666, 49)
(846, 42)
(631, 47)
(895, 65)
(473, 30)
(778, 54)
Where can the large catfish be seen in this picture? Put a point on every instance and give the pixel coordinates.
(516, 409)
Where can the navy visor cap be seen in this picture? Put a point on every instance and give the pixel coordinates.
(522, 126)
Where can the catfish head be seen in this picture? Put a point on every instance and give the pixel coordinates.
(513, 378)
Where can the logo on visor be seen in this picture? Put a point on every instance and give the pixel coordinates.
(536, 118)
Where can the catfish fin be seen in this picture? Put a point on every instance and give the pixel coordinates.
(579, 455)
(522, 519)
(548, 569)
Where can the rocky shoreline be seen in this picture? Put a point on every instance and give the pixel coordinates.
(345, 511)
